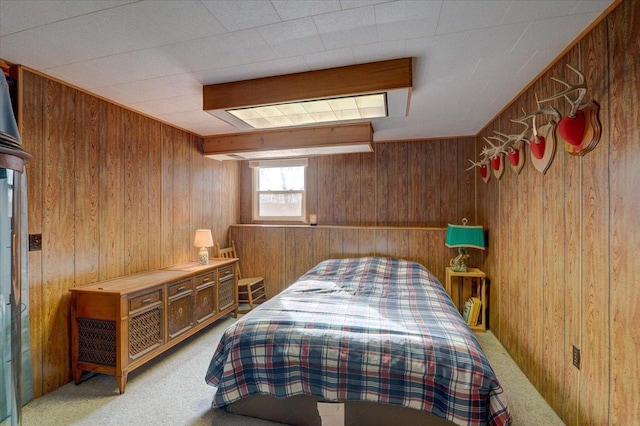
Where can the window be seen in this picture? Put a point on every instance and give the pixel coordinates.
(279, 189)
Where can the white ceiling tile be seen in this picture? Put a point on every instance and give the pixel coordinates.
(379, 51)
(115, 95)
(293, 37)
(185, 116)
(524, 11)
(347, 28)
(20, 15)
(463, 15)
(289, 10)
(586, 6)
(406, 19)
(330, 58)
(352, 4)
(554, 33)
(161, 87)
(139, 65)
(84, 75)
(221, 51)
(492, 41)
(502, 66)
(172, 105)
(258, 70)
(241, 15)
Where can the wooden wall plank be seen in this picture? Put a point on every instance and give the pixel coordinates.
(182, 237)
(624, 172)
(366, 242)
(382, 152)
(325, 190)
(340, 193)
(31, 131)
(112, 197)
(573, 276)
(595, 339)
(353, 189)
(350, 243)
(553, 252)
(466, 179)
(396, 170)
(156, 169)
(448, 182)
(89, 114)
(57, 231)
(368, 186)
(136, 212)
(199, 217)
(167, 213)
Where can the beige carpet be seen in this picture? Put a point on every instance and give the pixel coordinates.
(170, 390)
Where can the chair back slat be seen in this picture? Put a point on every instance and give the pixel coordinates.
(229, 253)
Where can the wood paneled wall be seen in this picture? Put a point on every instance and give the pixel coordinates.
(561, 265)
(281, 254)
(410, 184)
(113, 193)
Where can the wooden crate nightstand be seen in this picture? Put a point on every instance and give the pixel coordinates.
(470, 283)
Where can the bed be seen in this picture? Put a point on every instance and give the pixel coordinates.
(380, 333)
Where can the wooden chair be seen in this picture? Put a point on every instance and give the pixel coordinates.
(251, 289)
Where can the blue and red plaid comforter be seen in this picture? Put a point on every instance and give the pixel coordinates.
(369, 329)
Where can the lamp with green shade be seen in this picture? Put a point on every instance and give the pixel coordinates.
(462, 237)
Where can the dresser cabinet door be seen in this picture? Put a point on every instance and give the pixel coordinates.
(146, 331)
(205, 301)
(180, 309)
(226, 287)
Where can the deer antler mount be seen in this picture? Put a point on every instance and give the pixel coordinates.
(580, 128)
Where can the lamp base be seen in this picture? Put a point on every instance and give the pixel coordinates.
(457, 264)
(203, 256)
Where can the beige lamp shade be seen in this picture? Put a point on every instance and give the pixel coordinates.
(203, 238)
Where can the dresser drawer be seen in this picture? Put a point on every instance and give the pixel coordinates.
(204, 279)
(147, 299)
(180, 287)
(225, 272)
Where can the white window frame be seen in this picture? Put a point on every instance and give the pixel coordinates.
(290, 162)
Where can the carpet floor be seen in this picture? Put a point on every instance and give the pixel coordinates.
(170, 390)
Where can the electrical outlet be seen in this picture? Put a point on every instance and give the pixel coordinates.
(35, 242)
(576, 357)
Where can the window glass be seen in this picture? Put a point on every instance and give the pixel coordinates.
(279, 191)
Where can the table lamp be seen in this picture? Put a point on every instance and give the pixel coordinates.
(462, 237)
(203, 239)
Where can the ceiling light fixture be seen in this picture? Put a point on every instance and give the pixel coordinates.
(313, 111)
(294, 142)
(355, 92)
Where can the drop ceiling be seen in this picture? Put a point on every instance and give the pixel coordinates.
(471, 58)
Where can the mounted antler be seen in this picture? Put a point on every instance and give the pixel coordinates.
(572, 126)
(521, 120)
(494, 152)
(581, 87)
(475, 164)
(482, 165)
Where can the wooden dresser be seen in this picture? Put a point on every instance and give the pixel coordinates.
(119, 324)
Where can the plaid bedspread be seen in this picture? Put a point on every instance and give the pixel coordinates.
(370, 329)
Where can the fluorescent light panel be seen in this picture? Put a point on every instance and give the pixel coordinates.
(313, 111)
